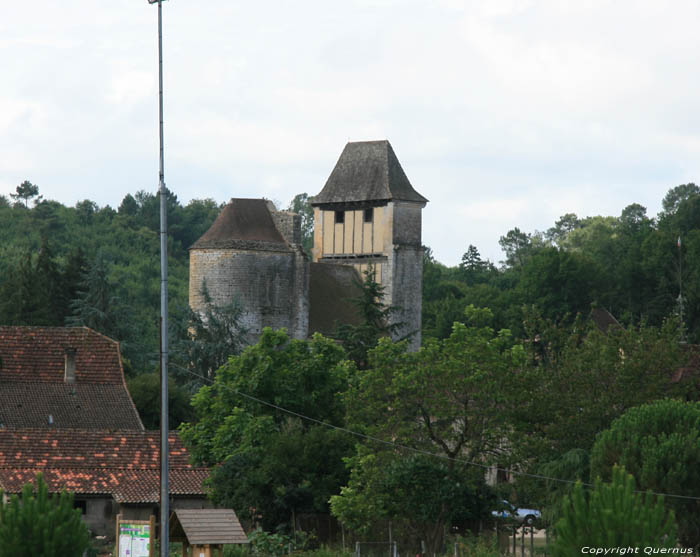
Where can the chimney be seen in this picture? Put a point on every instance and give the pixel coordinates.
(69, 376)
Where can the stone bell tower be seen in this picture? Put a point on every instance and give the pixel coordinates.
(368, 214)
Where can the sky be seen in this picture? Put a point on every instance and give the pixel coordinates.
(503, 113)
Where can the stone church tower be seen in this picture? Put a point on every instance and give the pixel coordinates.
(368, 214)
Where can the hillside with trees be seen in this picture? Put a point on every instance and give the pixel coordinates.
(513, 377)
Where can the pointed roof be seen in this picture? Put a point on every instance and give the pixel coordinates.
(367, 171)
(243, 223)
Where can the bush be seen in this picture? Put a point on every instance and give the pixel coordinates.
(41, 525)
(613, 516)
(659, 444)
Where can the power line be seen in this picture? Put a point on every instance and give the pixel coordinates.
(413, 449)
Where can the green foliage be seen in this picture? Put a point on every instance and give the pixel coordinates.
(145, 392)
(613, 515)
(41, 524)
(25, 191)
(422, 492)
(659, 443)
(375, 323)
(274, 464)
(581, 379)
(301, 204)
(203, 342)
(448, 398)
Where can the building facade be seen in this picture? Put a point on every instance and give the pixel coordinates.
(367, 216)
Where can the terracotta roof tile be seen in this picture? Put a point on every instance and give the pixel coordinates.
(37, 354)
(123, 464)
(83, 406)
(32, 384)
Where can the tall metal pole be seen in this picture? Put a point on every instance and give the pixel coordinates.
(164, 491)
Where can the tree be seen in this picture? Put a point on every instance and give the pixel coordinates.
(301, 204)
(613, 516)
(41, 525)
(145, 392)
(449, 398)
(97, 306)
(25, 191)
(516, 245)
(675, 196)
(659, 443)
(473, 268)
(418, 493)
(562, 227)
(375, 321)
(203, 342)
(560, 283)
(581, 379)
(273, 464)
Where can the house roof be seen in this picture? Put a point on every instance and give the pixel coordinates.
(242, 224)
(207, 526)
(33, 391)
(88, 406)
(367, 171)
(125, 464)
(37, 355)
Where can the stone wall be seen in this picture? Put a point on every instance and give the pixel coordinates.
(289, 225)
(271, 286)
(406, 291)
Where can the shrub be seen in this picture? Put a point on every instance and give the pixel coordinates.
(41, 525)
(613, 515)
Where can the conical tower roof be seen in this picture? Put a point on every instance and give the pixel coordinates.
(243, 223)
(367, 171)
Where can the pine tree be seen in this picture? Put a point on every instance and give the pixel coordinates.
(375, 323)
(613, 515)
(41, 525)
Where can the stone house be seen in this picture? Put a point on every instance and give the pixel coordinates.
(368, 215)
(109, 472)
(65, 411)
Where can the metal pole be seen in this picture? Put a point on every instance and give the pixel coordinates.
(164, 430)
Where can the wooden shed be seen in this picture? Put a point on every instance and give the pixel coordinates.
(203, 532)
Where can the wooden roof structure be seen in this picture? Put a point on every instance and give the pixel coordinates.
(206, 527)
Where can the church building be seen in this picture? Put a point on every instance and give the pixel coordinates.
(367, 216)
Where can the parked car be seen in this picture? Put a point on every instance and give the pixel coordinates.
(520, 515)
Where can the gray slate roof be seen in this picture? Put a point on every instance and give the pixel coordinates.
(367, 171)
(209, 526)
(242, 224)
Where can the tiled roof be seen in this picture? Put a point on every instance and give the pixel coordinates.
(33, 387)
(85, 406)
(124, 464)
(37, 354)
(367, 171)
(243, 224)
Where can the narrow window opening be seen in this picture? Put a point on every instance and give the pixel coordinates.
(82, 505)
(369, 215)
(339, 217)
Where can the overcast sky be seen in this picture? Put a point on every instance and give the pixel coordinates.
(502, 114)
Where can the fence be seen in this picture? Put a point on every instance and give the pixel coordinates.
(376, 549)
